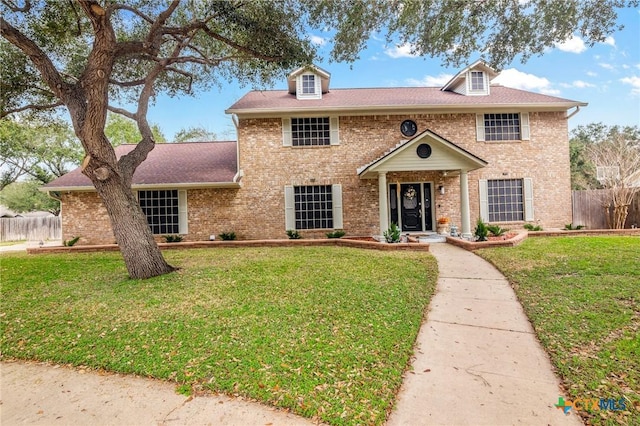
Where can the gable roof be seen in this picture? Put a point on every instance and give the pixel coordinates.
(479, 65)
(446, 155)
(400, 99)
(191, 164)
(325, 77)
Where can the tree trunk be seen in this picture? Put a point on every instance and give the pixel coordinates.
(141, 254)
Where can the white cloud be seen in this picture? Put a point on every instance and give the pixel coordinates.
(605, 65)
(521, 80)
(634, 82)
(610, 41)
(320, 41)
(403, 51)
(573, 44)
(581, 84)
(592, 74)
(430, 80)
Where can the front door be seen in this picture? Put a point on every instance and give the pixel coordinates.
(411, 207)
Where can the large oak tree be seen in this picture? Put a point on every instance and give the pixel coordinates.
(90, 57)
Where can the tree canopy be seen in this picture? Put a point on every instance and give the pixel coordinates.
(90, 57)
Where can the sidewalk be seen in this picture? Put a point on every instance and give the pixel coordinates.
(29, 244)
(477, 359)
(477, 362)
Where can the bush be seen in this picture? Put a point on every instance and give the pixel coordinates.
(71, 242)
(531, 227)
(392, 235)
(570, 227)
(293, 234)
(481, 230)
(173, 238)
(496, 230)
(228, 236)
(338, 233)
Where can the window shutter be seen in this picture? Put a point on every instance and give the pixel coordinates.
(334, 136)
(524, 126)
(183, 221)
(286, 132)
(336, 197)
(318, 86)
(289, 208)
(528, 198)
(484, 200)
(480, 127)
(299, 86)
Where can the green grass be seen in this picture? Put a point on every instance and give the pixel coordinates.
(326, 332)
(582, 295)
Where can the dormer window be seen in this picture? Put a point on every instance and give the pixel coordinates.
(308, 84)
(477, 81)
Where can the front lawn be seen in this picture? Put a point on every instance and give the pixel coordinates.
(324, 331)
(582, 295)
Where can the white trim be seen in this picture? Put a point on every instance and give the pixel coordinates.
(149, 186)
(527, 189)
(334, 130)
(317, 94)
(525, 130)
(286, 132)
(480, 127)
(484, 199)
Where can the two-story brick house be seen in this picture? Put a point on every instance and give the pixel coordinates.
(315, 159)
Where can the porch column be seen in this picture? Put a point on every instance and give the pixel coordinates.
(464, 205)
(382, 202)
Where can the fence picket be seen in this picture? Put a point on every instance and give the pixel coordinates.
(30, 228)
(589, 212)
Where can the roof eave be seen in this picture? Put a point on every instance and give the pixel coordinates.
(183, 185)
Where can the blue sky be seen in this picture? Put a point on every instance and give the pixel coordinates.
(606, 75)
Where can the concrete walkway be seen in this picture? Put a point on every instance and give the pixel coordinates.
(477, 360)
(477, 363)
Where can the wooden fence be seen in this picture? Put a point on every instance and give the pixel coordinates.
(30, 228)
(588, 210)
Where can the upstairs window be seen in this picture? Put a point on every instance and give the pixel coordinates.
(477, 80)
(502, 126)
(308, 84)
(310, 131)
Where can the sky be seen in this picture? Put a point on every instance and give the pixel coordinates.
(606, 76)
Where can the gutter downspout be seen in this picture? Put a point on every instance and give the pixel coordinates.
(577, 110)
(239, 174)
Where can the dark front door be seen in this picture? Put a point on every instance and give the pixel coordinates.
(411, 207)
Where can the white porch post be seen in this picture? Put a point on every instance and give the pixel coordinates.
(382, 202)
(464, 204)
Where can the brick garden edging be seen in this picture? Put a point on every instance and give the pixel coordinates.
(593, 232)
(372, 245)
(475, 245)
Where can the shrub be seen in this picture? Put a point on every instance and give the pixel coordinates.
(531, 227)
(481, 230)
(392, 235)
(173, 238)
(71, 242)
(496, 230)
(570, 227)
(338, 233)
(293, 234)
(228, 236)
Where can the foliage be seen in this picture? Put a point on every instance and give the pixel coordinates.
(496, 230)
(40, 150)
(532, 227)
(482, 231)
(326, 332)
(570, 227)
(293, 234)
(228, 236)
(122, 130)
(338, 233)
(392, 235)
(581, 295)
(71, 242)
(195, 134)
(24, 196)
(173, 238)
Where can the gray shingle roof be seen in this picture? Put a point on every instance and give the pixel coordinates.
(193, 163)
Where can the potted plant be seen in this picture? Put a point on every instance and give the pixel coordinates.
(443, 225)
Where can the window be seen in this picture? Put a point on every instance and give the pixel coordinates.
(477, 80)
(308, 84)
(505, 200)
(502, 127)
(313, 207)
(310, 131)
(165, 210)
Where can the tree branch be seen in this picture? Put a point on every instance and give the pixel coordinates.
(36, 107)
(122, 111)
(12, 6)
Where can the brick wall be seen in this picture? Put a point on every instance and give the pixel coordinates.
(256, 210)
